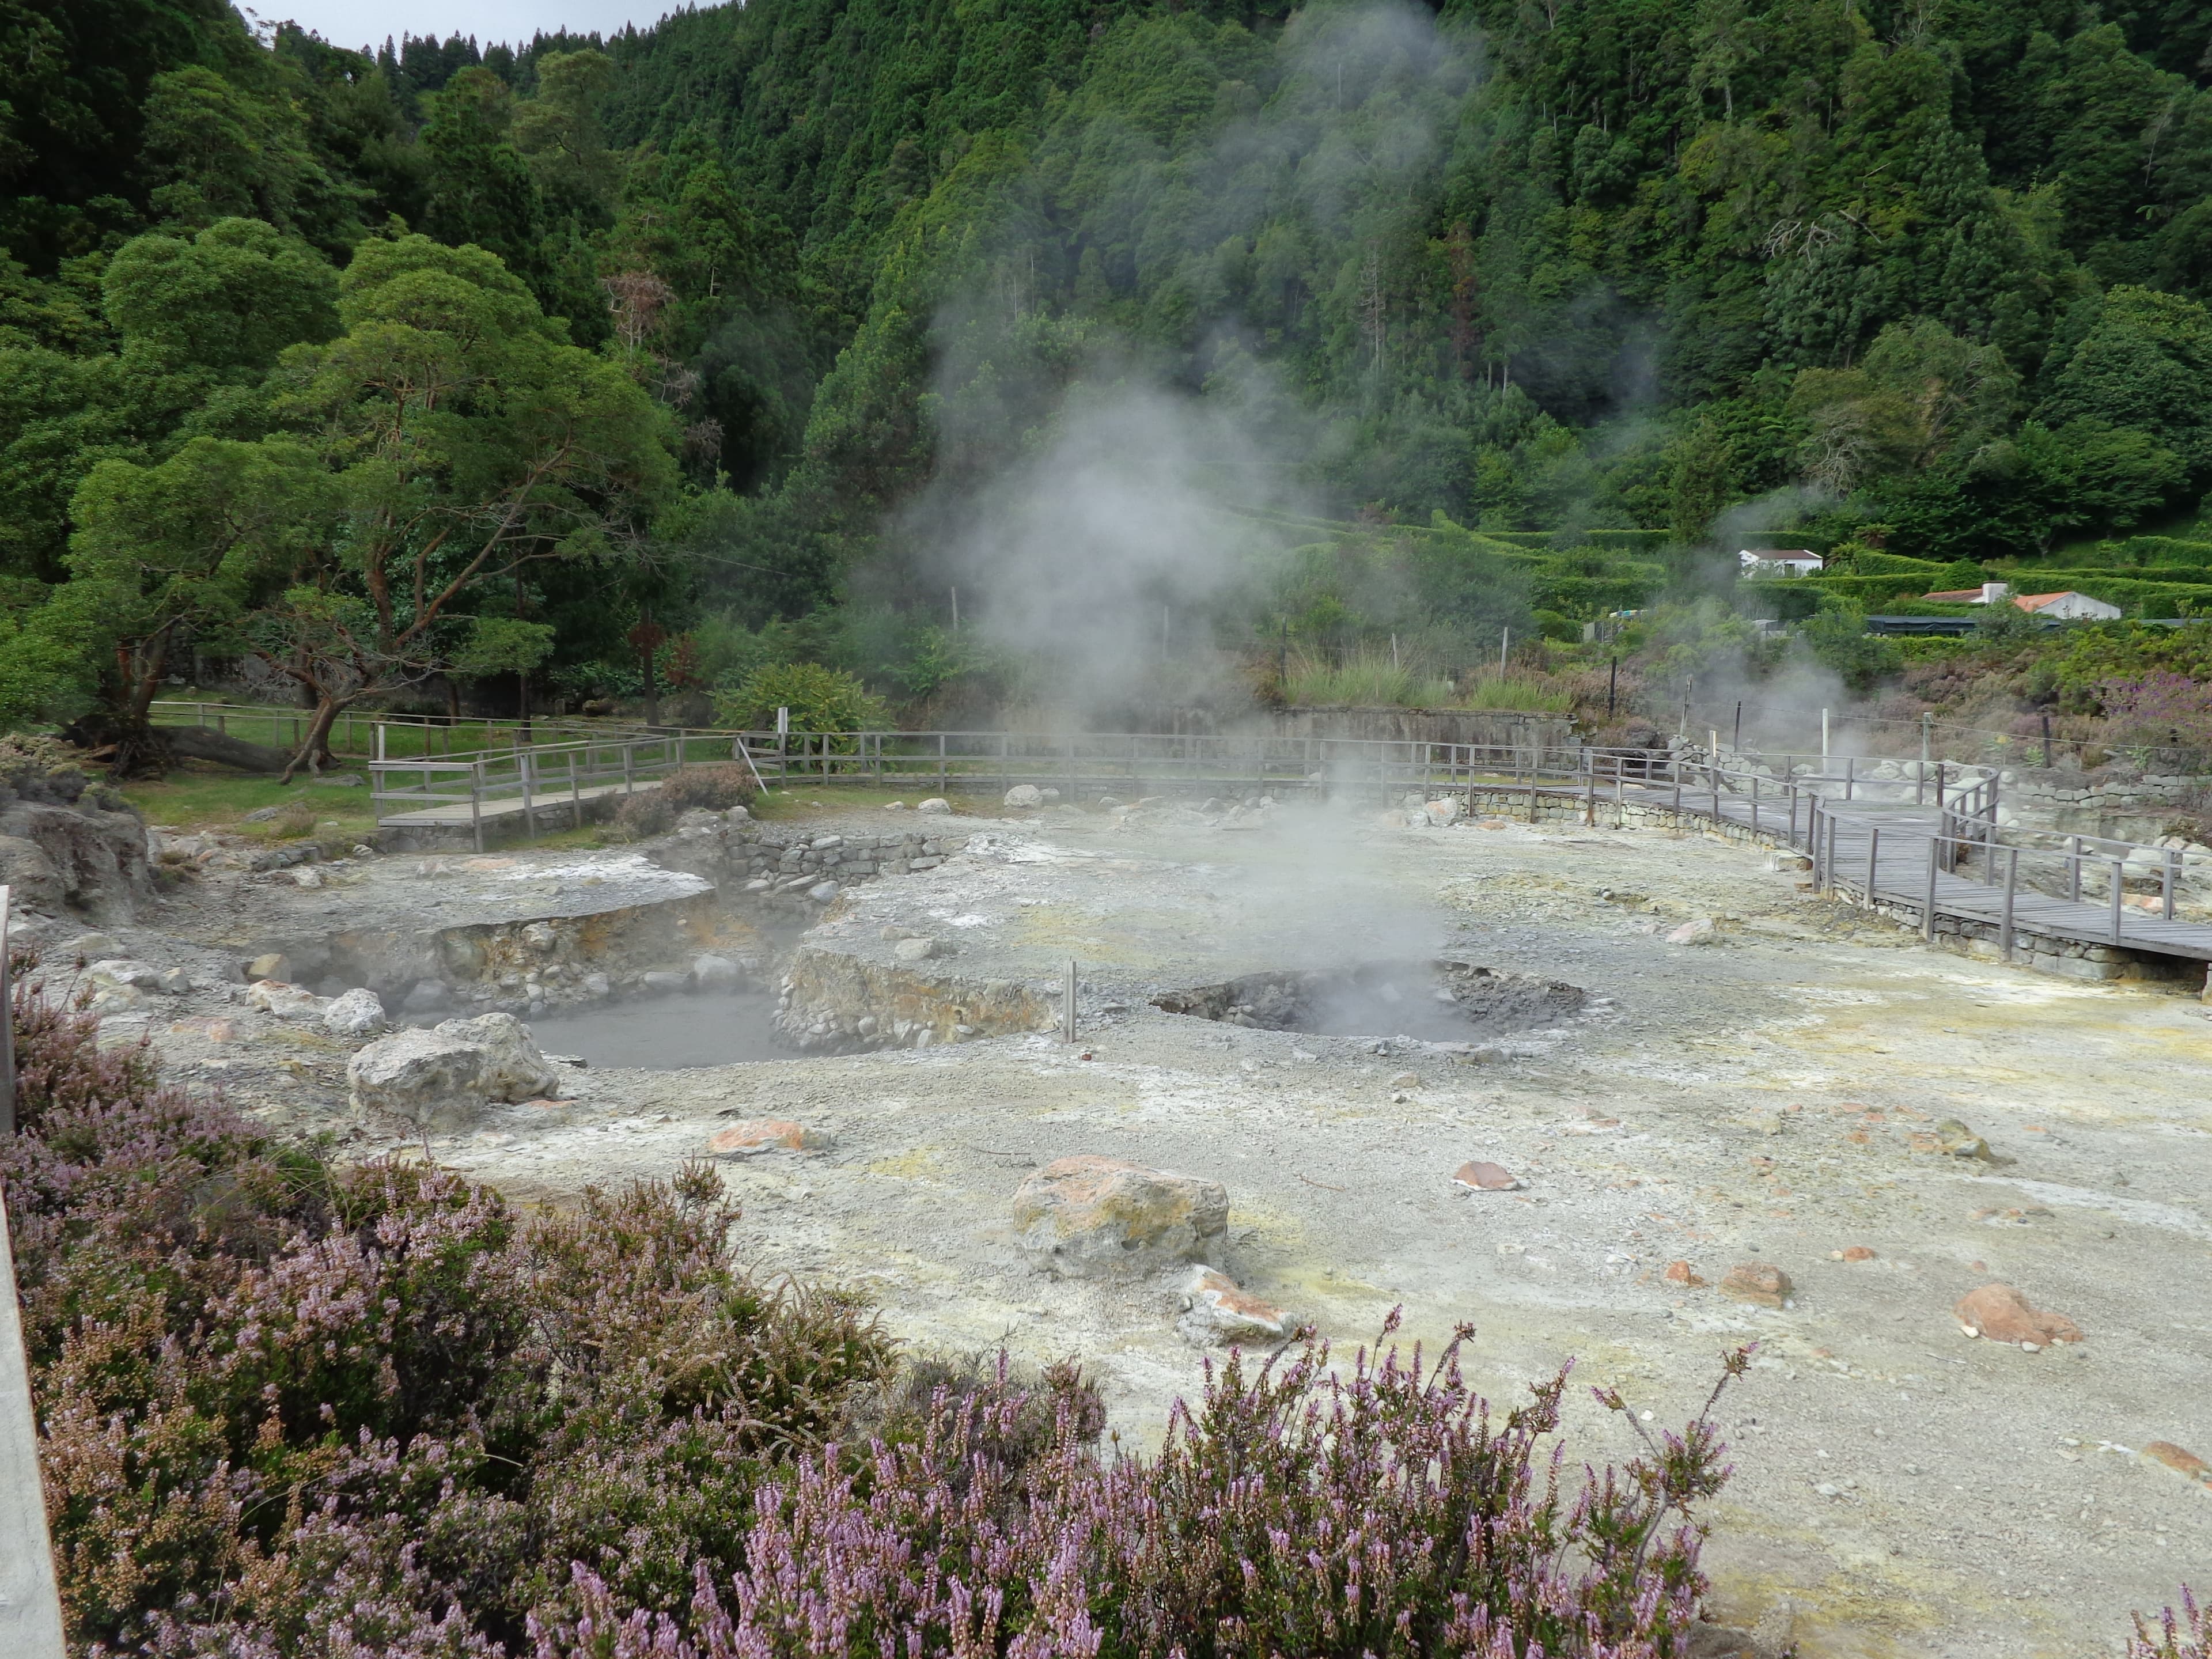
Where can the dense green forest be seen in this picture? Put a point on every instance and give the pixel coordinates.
(772, 335)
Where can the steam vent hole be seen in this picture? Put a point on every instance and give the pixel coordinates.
(1433, 1002)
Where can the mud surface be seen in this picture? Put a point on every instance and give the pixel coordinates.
(1772, 1095)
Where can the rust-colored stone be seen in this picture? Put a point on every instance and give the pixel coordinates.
(1760, 1282)
(1480, 1177)
(2004, 1315)
(765, 1134)
(1680, 1272)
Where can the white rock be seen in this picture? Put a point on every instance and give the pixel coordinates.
(914, 950)
(423, 1079)
(716, 973)
(894, 806)
(1024, 794)
(123, 970)
(1084, 1216)
(1699, 930)
(274, 996)
(87, 944)
(738, 815)
(935, 803)
(1446, 809)
(356, 1013)
(595, 985)
(514, 1069)
(823, 891)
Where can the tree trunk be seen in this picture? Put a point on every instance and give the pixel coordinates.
(315, 747)
(198, 743)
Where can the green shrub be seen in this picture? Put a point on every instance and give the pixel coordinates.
(820, 700)
(717, 788)
(1367, 679)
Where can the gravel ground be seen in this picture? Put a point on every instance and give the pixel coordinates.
(1769, 1095)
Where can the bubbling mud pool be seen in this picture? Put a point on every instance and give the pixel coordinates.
(671, 1033)
(1433, 1002)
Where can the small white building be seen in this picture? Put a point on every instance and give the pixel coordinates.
(2069, 606)
(1779, 562)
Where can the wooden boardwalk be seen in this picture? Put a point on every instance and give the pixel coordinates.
(1887, 854)
(453, 815)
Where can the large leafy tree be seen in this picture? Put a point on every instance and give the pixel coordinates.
(468, 442)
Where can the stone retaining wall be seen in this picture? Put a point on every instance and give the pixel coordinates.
(794, 871)
(833, 999)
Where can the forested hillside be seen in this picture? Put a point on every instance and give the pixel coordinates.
(746, 340)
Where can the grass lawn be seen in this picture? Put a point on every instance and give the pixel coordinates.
(198, 795)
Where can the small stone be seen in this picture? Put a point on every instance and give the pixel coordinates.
(935, 803)
(90, 945)
(363, 850)
(2181, 1461)
(1855, 1253)
(273, 996)
(1082, 1216)
(1829, 1489)
(594, 984)
(1680, 1272)
(1449, 809)
(1216, 1310)
(1697, 931)
(1108, 803)
(261, 815)
(755, 1136)
(1407, 1080)
(894, 806)
(914, 950)
(307, 876)
(2001, 1314)
(273, 964)
(1025, 795)
(1758, 1282)
(823, 891)
(663, 982)
(1956, 1139)
(174, 983)
(358, 1012)
(1480, 1177)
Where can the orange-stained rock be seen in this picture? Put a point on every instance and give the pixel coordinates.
(1757, 1281)
(1680, 1272)
(1858, 1253)
(1481, 1177)
(1216, 1309)
(2179, 1459)
(2004, 1315)
(765, 1134)
(1083, 1215)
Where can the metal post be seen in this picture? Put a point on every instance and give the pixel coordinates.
(1754, 803)
(1790, 790)
(2173, 857)
(576, 792)
(1813, 838)
(1874, 850)
(1928, 909)
(940, 763)
(1067, 1006)
(2073, 868)
(1851, 770)
(1920, 778)
(2118, 866)
(522, 758)
(1589, 798)
(2012, 880)
(476, 801)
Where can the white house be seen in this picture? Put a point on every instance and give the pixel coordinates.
(2068, 606)
(1779, 562)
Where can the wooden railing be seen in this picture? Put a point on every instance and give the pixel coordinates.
(520, 785)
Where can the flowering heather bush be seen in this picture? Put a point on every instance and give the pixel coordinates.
(2184, 1635)
(289, 1407)
(1304, 1510)
(2158, 709)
